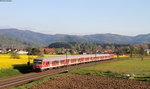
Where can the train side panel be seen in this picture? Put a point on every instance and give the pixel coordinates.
(43, 64)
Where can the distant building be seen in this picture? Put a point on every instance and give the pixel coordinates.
(8, 50)
(21, 51)
(147, 51)
(1, 50)
(105, 51)
(48, 50)
(82, 52)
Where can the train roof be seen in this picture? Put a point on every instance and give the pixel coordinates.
(69, 57)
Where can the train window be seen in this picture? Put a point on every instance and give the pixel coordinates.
(68, 60)
(47, 62)
(73, 60)
(54, 62)
(80, 59)
(62, 61)
(37, 62)
(86, 58)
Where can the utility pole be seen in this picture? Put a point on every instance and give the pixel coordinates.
(29, 56)
(66, 60)
(95, 53)
(28, 60)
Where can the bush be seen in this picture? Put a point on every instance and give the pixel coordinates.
(15, 56)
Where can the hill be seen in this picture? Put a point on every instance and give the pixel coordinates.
(8, 42)
(109, 38)
(95, 38)
(144, 38)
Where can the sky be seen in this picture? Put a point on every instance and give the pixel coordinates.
(78, 17)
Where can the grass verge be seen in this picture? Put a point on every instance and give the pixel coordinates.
(16, 70)
(9, 72)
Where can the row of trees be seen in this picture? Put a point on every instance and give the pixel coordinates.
(74, 47)
(119, 49)
(77, 48)
(133, 50)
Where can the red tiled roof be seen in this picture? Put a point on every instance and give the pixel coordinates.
(48, 50)
(21, 49)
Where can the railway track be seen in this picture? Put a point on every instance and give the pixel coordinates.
(26, 78)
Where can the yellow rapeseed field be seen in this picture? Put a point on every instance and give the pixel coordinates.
(121, 56)
(7, 62)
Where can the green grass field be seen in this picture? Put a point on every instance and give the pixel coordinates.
(17, 70)
(117, 68)
(131, 66)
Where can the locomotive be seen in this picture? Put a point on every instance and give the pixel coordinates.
(44, 63)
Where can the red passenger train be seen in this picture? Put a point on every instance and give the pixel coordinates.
(44, 63)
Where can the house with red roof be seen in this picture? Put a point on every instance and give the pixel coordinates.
(48, 50)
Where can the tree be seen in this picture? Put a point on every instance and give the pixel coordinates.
(142, 53)
(131, 50)
(14, 55)
(60, 45)
(29, 49)
(33, 51)
(60, 51)
(45, 52)
(118, 52)
(126, 50)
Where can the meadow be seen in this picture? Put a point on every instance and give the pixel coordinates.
(130, 66)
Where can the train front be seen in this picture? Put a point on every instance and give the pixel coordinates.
(37, 64)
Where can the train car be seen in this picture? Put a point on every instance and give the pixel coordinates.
(44, 63)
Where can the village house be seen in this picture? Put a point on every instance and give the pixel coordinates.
(5, 50)
(1, 50)
(147, 51)
(105, 51)
(8, 50)
(21, 51)
(48, 50)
